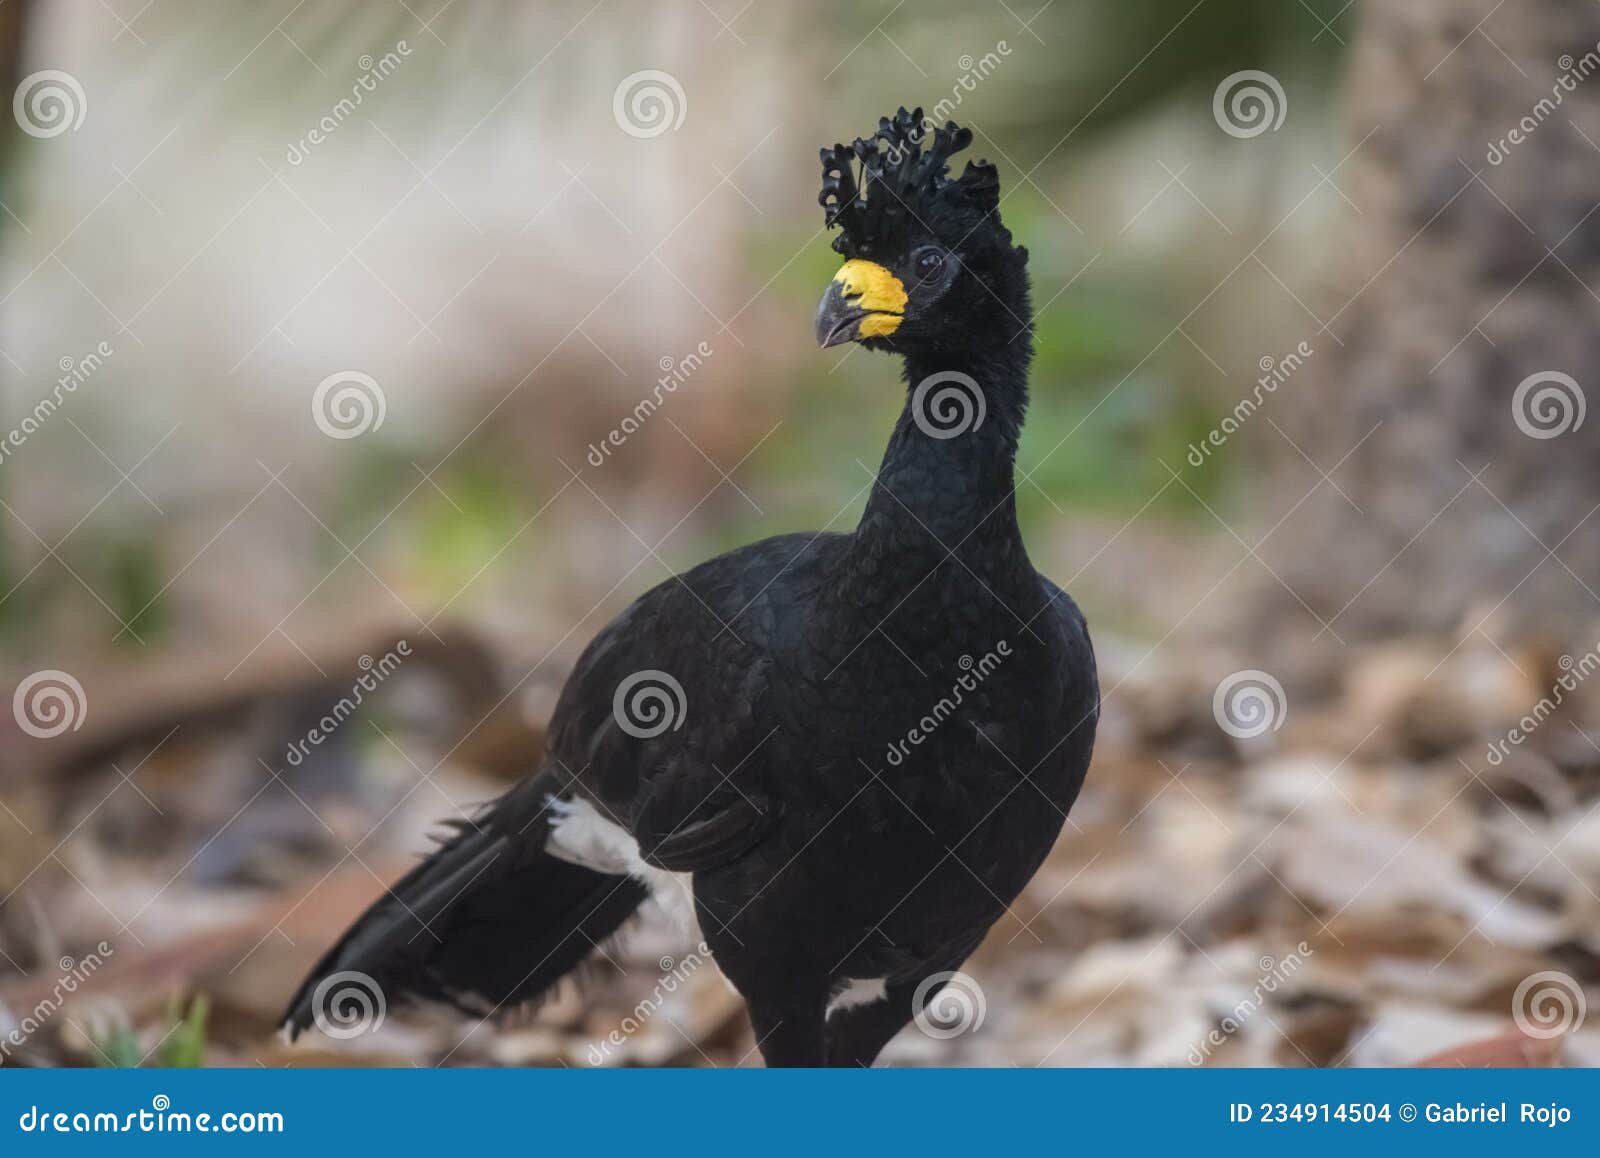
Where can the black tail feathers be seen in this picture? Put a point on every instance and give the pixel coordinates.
(486, 923)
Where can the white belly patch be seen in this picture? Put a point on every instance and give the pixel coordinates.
(580, 835)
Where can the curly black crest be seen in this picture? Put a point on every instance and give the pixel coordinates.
(903, 183)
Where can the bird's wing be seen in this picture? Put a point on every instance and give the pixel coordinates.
(1080, 650)
(665, 719)
(705, 838)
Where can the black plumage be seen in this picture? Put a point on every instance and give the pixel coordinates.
(860, 745)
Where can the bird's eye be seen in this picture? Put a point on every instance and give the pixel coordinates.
(928, 263)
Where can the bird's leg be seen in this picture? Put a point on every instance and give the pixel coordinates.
(858, 1034)
(790, 1035)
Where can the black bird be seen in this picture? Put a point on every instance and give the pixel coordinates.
(844, 755)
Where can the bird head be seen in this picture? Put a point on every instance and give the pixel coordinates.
(929, 267)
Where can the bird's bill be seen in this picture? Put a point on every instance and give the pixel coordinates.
(864, 301)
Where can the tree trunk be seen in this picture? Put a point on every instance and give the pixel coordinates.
(1452, 291)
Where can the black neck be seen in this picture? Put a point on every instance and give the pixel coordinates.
(937, 495)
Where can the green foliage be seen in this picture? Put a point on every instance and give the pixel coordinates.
(125, 567)
(186, 1047)
(118, 1048)
(443, 530)
(183, 1045)
(473, 514)
(135, 571)
(22, 610)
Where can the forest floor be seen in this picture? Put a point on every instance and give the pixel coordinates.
(1355, 878)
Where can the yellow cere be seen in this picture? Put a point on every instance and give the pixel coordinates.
(878, 325)
(875, 290)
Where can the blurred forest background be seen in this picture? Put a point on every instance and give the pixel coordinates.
(323, 327)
